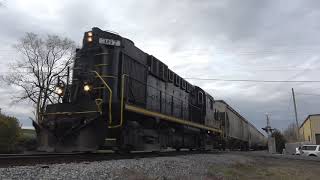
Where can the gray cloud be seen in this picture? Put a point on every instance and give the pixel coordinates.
(273, 40)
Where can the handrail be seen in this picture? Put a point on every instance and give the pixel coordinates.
(121, 102)
(69, 113)
(108, 76)
(146, 112)
(98, 103)
(110, 95)
(98, 65)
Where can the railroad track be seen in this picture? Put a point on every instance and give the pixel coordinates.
(44, 159)
(8, 160)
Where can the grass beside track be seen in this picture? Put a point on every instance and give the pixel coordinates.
(30, 133)
(266, 169)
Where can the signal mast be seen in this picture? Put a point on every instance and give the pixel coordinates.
(271, 140)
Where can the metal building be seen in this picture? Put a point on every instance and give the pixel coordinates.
(310, 129)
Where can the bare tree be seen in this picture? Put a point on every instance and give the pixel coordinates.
(290, 133)
(42, 62)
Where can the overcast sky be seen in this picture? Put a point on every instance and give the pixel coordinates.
(247, 39)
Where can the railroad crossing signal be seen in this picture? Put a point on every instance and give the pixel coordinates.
(268, 128)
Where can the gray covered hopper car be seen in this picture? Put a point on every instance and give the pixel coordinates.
(238, 131)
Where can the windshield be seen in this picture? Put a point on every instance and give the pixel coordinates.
(309, 148)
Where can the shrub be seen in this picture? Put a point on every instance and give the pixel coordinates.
(27, 140)
(280, 141)
(9, 133)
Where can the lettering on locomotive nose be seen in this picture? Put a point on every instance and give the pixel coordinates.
(111, 42)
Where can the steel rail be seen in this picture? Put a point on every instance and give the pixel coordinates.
(10, 160)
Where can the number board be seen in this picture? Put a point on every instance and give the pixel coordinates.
(110, 42)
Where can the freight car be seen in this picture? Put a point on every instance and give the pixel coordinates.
(238, 132)
(257, 141)
(125, 99)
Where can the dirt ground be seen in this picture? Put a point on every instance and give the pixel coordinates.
(252, 166)
(267, 168)
(245, 166)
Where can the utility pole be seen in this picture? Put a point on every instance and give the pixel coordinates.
(295, 112)
(268, 121)
(271, 140)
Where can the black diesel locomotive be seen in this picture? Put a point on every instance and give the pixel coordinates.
(125, 99)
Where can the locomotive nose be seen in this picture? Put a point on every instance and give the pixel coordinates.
(70, 131)
(70, 137)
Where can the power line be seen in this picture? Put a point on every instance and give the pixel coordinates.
(307, 94)
(306, 69)
(252, 80)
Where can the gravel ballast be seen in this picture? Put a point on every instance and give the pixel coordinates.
(188, 166)
(197, 166)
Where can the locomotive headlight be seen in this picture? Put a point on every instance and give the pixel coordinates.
(89, 39)
(90, 34)
(87, 87)
(59, 90)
